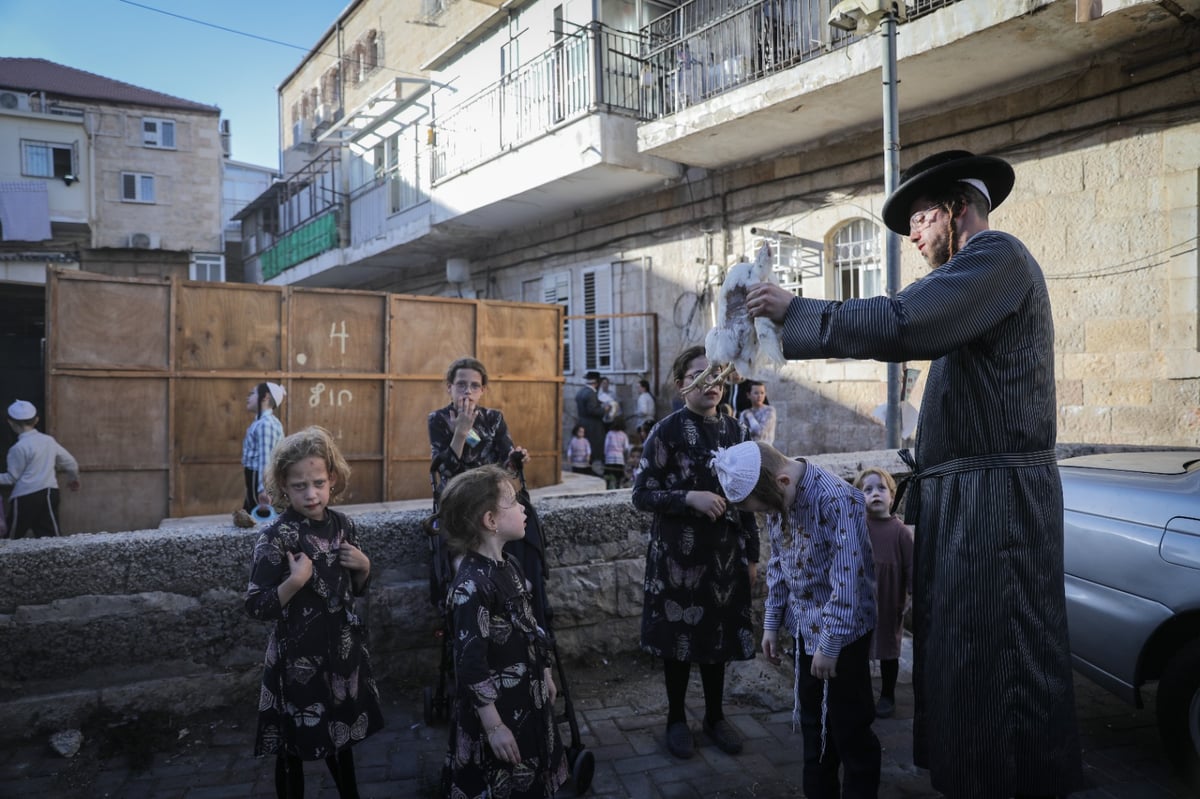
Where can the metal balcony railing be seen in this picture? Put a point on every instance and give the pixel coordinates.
(704, 48)
(593, 69)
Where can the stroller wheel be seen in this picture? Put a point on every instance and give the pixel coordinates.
(583, 766)
(428, 706)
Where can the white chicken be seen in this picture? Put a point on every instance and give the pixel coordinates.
(738, 341)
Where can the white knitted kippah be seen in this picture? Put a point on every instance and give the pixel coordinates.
(737, 469)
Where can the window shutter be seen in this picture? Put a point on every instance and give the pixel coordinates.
(598, 333)
(556, 288)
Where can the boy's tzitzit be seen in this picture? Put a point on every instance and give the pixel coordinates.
(737, 469)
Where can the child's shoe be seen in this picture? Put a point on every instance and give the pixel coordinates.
(723, 734)
(885, 708)
(679, 740)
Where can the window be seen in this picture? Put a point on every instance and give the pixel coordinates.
(137, 187)
(793, 259)
(43, 159)
(158, 133)
(857, 265)
(207, 266)
(597, 333)
(557, 288)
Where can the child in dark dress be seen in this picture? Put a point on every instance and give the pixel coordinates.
(701, 559)
(318, 696)
(503, 740)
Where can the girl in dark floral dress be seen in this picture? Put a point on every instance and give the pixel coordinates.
(701, 559)
(503, 740)
(318, 696)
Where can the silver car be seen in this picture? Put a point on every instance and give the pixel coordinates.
(1132, 557)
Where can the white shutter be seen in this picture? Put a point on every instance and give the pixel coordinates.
(556, 288)
(598, 333)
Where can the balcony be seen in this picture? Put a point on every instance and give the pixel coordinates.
(737, 81)
(594, 69)
(296, 246)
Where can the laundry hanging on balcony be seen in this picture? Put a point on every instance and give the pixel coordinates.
(24, 211)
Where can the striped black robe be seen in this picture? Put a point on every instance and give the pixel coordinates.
(991, 664)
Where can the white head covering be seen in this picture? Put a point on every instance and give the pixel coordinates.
(278, 392)
(737, 469)
(22, 411)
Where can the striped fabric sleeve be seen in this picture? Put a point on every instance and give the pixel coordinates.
(941, 312)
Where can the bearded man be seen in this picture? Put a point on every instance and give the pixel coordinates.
(995, 706)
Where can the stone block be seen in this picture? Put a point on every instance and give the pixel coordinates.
(1116, 392)
(1084, 424)
(1179, 148)
(1144, 425)
(1117, 335)
(1086, 366)
(1070, 392)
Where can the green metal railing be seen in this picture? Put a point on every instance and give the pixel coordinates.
(307, 241)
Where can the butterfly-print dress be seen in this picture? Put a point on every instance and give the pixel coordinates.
(318, 693)
(500, 657)
(697, 586)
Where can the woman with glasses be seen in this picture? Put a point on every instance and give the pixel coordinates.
(701, 558)
(464, 434)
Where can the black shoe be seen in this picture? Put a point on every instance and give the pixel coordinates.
(723, 734)
(885, 708)
(679, 740)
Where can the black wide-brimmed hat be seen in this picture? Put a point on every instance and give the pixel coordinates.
(939, 169)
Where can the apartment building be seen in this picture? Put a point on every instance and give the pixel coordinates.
(101, 176)
(617, 157)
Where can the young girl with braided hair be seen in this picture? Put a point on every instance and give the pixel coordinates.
(503, 739)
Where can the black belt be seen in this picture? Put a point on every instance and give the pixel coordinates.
(971, 463)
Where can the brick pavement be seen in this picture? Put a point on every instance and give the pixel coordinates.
(207, 756)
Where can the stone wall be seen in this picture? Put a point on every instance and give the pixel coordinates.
(153, 619)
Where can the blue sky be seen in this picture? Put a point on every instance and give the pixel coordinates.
(130, 43)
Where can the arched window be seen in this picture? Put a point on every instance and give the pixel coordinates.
(857, 260)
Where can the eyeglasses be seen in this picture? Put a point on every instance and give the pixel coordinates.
(922, 218)
(468, 388)
(509, 506)
(690, 378)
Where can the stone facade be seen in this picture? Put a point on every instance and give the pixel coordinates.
(1106, 198)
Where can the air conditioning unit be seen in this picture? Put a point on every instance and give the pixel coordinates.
(301, 133)
(144, 241)
(14, 101)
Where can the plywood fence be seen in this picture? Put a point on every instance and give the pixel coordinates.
(147, 383)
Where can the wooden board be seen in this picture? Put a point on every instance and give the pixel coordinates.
(428, 334)
(113, 324)
(332, 331)
(519, 341)
(148, 379)
(223, 326)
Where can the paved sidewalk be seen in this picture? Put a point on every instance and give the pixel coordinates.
(621, 713)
